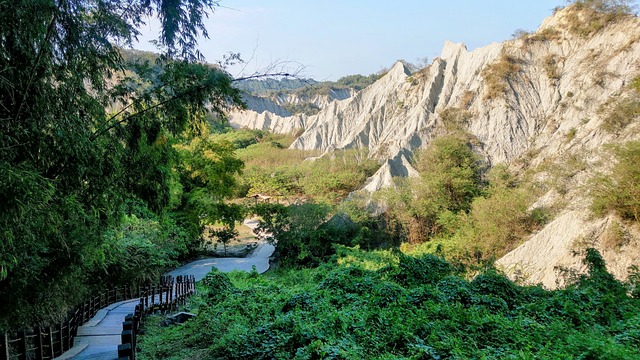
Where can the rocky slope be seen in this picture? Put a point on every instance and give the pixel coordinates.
(270, 113)
(534, 103)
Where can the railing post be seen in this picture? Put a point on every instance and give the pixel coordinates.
(38, 343)
(60, 340)
(22, 345)
(125, 351)
(49, 341)
(146, 299)
(76, 321)
(127, 337)
(171, 289)
(69, 343)
(167, 291)
(4, 341)
(82, 314)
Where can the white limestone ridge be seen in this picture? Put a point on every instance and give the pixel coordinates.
(262, 104)
(268, 113)
(548, 112)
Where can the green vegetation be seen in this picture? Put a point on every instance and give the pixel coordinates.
(104, 174)
(453, 209)
(619, 191)
(307, 234)
(301, 108)
(272, 169)
(386, 305)
(357, 82)
(550, 66)
(544, 35)
(620, 112)
(452, 178)
(305, 88)
(455, 119)
(261, 87)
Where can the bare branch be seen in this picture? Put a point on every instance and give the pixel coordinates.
(260, 76)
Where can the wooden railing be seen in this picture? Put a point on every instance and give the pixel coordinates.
(48, 342)
(162, 299)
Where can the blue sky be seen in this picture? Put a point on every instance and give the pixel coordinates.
(333, 38)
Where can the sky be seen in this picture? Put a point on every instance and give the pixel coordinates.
(329, 39)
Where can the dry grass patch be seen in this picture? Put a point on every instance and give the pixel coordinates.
(550, 66)
(587, 17)
(498, 75)
(614, 236)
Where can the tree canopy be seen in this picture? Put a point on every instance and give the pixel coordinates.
(83, 132)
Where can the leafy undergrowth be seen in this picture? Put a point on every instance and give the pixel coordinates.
(383, 305)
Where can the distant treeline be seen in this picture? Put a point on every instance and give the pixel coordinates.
(305, 87)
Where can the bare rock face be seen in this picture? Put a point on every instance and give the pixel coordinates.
(527, 102)
(269, 114)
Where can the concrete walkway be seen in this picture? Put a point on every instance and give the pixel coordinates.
(99, 338)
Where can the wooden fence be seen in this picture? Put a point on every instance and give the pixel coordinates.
(163, 299)
(48, 342)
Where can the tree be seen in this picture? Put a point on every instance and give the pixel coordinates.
(450, 178)
(225, 235)
(300, 232)
(81, 131)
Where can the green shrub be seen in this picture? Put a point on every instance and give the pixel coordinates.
(619, 191)
(301, 108)
(455, 119)
(274, 170)
(425, 269)
(343, 311)
(300, 232)
(635, 84)
(501, 221)
(240, 138)
(450, 179)
(571, 134)
(546, 34)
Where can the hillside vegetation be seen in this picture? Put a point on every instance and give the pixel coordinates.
(463, 202)
(486, 206)
(105, 174)
(270, 168)
(520, 136)
(385, 305)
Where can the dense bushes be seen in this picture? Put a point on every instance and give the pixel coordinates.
(460, 209)
(406, 309)
(451, 178)
(620, 112)
(498, 75)
(142, 247)
(306, 234)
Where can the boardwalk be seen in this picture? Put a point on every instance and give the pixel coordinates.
(99, 338)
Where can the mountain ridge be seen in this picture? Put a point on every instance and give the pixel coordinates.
(532, 102)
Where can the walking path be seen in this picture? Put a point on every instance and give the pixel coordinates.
(99, 338)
